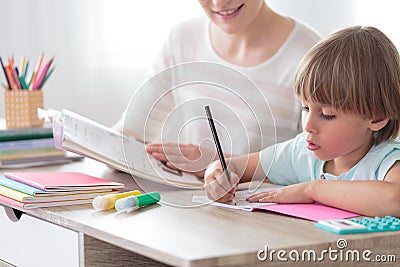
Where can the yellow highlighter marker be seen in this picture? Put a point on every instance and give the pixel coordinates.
(108, 201)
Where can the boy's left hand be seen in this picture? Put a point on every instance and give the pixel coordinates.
(297, 193)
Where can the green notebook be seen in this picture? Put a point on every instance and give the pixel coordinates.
(25, 133)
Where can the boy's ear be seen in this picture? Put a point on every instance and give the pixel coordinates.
(376, 125)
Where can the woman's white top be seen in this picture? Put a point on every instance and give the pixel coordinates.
(253, 107)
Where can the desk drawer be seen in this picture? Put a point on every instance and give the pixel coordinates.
(29, 241)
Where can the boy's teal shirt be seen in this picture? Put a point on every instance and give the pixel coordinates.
(291, 162)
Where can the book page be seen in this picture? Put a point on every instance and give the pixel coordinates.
(240, 197)
(91, 139)
(92, 136)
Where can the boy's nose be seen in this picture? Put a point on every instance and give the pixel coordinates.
(308, 123)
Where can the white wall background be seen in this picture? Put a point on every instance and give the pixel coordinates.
(102, 47)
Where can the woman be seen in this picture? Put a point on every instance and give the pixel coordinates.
(244, 39)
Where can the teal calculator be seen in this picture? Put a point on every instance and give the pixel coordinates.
(360, 225)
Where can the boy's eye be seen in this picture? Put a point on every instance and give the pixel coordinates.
(321, 114)
(327, 117)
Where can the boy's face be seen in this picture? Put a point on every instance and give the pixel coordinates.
(232, 16)
(333, 134)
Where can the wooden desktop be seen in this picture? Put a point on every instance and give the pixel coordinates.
(179, 233)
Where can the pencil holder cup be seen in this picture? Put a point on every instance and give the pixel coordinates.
(21, 108)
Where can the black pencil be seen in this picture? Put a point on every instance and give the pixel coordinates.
(217, 143)
(5, 74)
(218, 146)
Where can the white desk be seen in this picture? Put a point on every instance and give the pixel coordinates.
(201, 236)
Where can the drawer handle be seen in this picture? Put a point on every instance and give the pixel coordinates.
(13, 214)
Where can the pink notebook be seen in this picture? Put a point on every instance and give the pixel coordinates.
(62, 181)
(313, 212)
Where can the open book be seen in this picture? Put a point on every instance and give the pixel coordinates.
(78, 134)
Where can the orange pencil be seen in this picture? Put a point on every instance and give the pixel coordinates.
(38, 65)
(9, 76)
(14, 74)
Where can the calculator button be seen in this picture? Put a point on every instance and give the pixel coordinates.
(366, 220)
(382, 226)
(360, 225)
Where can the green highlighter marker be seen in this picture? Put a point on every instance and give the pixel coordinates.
(133, 203)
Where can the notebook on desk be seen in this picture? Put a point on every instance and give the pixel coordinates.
(62, 181)
(60, 196)
(47, 189)
(312, 211)
(23, 205)
(33, 191)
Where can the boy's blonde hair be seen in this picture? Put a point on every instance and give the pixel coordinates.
(356, 70)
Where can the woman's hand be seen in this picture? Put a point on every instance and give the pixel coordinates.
(217, 186)
(297, 193)
(184, 157)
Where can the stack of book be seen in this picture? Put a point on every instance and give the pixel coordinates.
(48, 189)
(29, 147)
